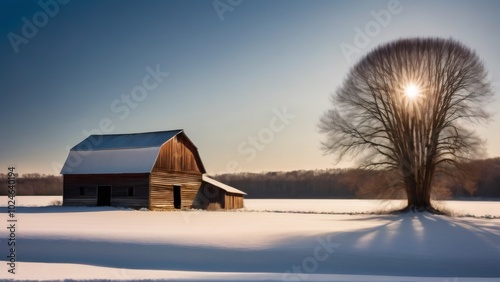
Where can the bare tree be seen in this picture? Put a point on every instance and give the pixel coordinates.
(410, 106)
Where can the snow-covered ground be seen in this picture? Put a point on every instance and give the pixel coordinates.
(476, 208)
(98, 244)
(458, 208)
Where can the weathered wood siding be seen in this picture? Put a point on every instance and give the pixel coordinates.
(233, 201)
(162, 188)
(179, 154)
(120, 185)
(178, 164)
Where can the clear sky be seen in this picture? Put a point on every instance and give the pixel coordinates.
(246, 80)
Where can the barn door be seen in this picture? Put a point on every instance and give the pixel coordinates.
(177, 196)
(104, 195)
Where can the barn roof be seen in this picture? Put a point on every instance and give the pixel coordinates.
(140, 160)
(221, 185)
(125, 141)
(118, 153)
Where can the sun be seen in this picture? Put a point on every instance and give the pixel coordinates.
(412, 91)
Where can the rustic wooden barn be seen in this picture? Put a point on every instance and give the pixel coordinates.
(157, 170)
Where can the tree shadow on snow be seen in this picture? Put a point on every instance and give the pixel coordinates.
(406, 245)
(419, 244)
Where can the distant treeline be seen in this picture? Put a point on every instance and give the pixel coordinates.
(33, 184)
(481, 180)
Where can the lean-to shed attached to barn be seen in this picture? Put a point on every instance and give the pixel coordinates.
(157, 170)
(214, 191)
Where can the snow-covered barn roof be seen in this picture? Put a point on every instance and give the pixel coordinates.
(126, 141)
(117, 153)
(221, 185)
(139, 160)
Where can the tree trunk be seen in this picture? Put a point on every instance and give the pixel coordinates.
(418, 191)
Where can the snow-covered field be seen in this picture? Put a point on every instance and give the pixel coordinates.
(98, 244)
(458, 208)
(476, 208)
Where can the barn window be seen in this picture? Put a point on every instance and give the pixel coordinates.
(82, 191)
(130, 191)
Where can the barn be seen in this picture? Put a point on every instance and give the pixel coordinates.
(157, 170)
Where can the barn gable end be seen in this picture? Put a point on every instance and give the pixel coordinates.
(178, 164)
(179, 154)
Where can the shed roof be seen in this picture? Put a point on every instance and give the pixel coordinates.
(221, 185)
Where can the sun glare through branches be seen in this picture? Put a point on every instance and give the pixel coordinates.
(412, 91)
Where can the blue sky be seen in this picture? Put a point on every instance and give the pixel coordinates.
(247, 82)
